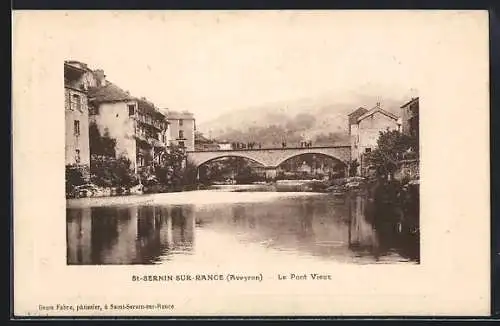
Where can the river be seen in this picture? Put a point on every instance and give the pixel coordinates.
(196, 226)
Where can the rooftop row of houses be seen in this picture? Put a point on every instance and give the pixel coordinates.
(143, 132)
(365, 125)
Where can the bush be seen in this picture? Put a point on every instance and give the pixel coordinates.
(111, 172)
(391, 147)
(353, 168)
(189, 174)
(75, 176)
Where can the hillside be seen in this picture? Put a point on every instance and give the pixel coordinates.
(322, 121)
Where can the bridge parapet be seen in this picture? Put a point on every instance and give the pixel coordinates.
(271, 157)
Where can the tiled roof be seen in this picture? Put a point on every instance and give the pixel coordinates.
(410, 102)
(353, 116)
(148, 107)
(77, 64)
(358, 111)
(179, 115)
(380, 110)
(109, 93)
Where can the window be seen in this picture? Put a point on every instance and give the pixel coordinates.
(93, 110)
(368, 150)
(181, 134)
(76, 127)
(181, 144)
(181, 122)
(77, 156)
(140, 160)
(131, 110)
(76, 102)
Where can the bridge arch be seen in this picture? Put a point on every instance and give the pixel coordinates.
(237, 155)
(293, 155)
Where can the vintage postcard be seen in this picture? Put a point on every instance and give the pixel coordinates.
(222, 163)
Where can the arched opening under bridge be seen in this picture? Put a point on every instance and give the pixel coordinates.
(311, 166)
(230, 169)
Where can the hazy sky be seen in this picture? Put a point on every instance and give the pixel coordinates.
(211, 62)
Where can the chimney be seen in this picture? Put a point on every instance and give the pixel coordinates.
(100, 77)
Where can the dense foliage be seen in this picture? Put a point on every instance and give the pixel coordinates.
(172, 174)
(75, 176)
(392, 146)
(242, 170)
(111, 172)
(101, 145)
(353, 168)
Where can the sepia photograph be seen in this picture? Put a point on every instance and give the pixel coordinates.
(245, 163)
(331, 175)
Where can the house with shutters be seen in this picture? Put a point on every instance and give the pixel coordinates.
(364, 130)
(76, 112)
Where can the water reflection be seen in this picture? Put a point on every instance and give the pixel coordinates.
(349, 229)
(128, 235)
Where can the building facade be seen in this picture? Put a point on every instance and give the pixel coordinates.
(410, 118)
(352, 128)
(225, 146)
(77, 148)
(137, 126)
(182, 127)
(409, 166)
(364, 131)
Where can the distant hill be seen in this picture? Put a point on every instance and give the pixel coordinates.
(322, 121)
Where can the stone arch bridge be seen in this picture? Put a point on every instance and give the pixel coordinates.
(271, 158)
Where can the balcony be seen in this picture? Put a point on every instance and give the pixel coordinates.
(151, 141)
(73, 76)
(149, 121)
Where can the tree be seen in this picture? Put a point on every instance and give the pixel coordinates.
(74, 177)
(391, 147)
(172, 171)
(111, 172)
(189, 173)
(102, 145)
(353, 168)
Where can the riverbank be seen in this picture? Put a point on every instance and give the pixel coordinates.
(339, 186)
(200, 197)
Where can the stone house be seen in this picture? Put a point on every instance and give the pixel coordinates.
(410, 118)
(139, 128)
(364, 131)
(182, 127)
(410, 166)
(352, 128)
(77, 148)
